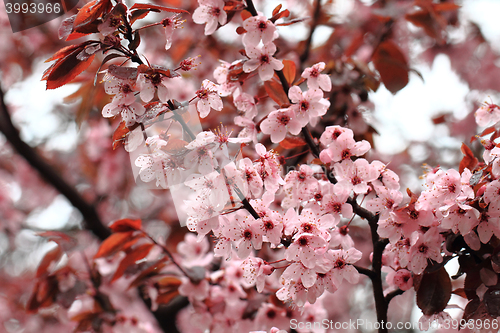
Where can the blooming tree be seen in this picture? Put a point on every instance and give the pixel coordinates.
(275, 223)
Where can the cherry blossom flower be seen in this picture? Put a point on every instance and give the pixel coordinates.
(170, 24)
(342, 264)
(243, 230)
(249, 128)
(355, 175)
(111, 23)
(335, 203)
(152, 167)
(403, 279)
(199, 291)
(262, 58)
(210, 12)
(246, 103)
(129, 112)
(388, 179)
(425, 246)
(304, 248)
(487, 113)
(385, 202)
(258, 28)
(279, 122)
(343, 148)
(340, 238)
(227, 86)
(202, 153)
(459, 217)
(300, 185)
(194, 253)
(255, 272)
(269, 168)
(332, 133)
(316, 80)
(208, 98)
(269, 315)
(211, 186)
(252, 179)
(307, 105)
(148, 83)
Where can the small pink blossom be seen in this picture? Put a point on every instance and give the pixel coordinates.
(304, 249)
(343, 148)
(210, 12)
(487, 113)
(342, 264)
(170, 24)
(425, 246)
(307, 105)
(244, 231)
(279, 122)
(255, 272)
(258, 28)
(355, 175)
(262, 58)
(208, 98)
(316, 80)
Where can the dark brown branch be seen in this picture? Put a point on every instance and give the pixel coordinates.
(92, 220)
(392, 294)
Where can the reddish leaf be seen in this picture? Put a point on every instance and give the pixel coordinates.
(157, 8)
(165, 298)
(130, 259)
(120, 134)
(169, 282)
(147, 273)
(113, 244)
(289, 70)
(460, 292)
(275, 91)
(66, 51)
(468, 161)
(434, 292)
(62, 239)
(123, 73)
(391, 63)
(282, 14)
(90, 12)
(240, 30)
(439, 119)
(126, 225)
(291, 142)
(245, 14)
(277, 9)
(138, 15)
(43, 295)
(52, 256)
(66, 68)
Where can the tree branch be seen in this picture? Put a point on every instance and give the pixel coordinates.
(92, 220)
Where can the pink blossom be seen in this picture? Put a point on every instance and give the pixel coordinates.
(304, 248)
(487, 113)
(194, 291)
(170, 24)
(355, 175)
(210, 12)
(335, 203)
(385, 202)
(391, 228)
(316, 80)
(425, 246)
(388, 179)
(332, 133)
(343, 148)
(246, 103)
(298, 272)
(269, 315)
(279, 122)
(459, 217)
(307, 105)
(342, 264)
(243, 230)
(269, 168)
(300, 185)
(258, 28)
(208, 98)
(226, 85)
(249, 128)
(194, 253)
(340, 238)
(251, 177)
(262, 58)
(255, 272)
(129, 112)
(149, 83)
(403, 279)
(201, 153)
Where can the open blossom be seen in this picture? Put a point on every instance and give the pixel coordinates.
(355, 175)
(128, 111)
(170, 24)
(343, 148)
(244, 231)
(279, 122)
(307, 105)
(262, 58)
(149, 82)
(208, 98)
(304, 249)
(255, 272)
(316, 80)
(342, 264)
(258, 28)
(210, 12)
(425, 246)
(487, 113)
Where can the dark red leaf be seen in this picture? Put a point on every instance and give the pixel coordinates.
(147, 273)
(434, 292)
(245, 14)
(157, 8)
(492, 301)
(52, 256)
(113, 244)
(43, 295)
(289, 70)
(468, 161)
(120, 134)
(123, 73)
(275, 91)
(90, 12)
(130, 259)
(277, 9)
(291, 142)
(126, 225)
(391, 63)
